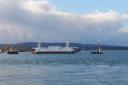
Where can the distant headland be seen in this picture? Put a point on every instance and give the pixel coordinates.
(27, 46)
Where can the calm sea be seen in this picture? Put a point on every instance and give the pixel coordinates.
(82, 68)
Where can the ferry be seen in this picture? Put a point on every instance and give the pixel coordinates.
(55, 49)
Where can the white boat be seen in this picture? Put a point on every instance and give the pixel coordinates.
(54, 49)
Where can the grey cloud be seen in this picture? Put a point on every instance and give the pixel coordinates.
(53, 25)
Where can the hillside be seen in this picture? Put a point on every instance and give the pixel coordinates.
(27, 46)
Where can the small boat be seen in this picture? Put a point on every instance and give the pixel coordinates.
(12, 51)
(0, 51)
(98, 50)
(55, 49)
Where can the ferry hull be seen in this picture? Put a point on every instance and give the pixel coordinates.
(54, 52)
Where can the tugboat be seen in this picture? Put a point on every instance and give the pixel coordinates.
(12, 51)
(98, 50)
(0, 51)
(54, 49)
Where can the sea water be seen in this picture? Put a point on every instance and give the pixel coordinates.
(83, 68)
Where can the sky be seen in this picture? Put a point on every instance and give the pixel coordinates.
(81, 21)
(85, 6)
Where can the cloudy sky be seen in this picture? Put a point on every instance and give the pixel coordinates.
(83, 21)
